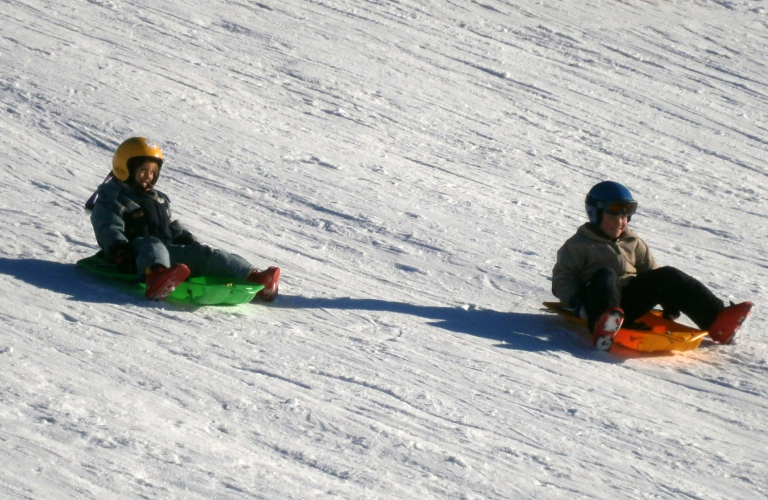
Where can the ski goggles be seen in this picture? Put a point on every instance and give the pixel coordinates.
(619, 208)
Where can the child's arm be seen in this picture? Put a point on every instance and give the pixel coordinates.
(106, 218)
(645, 261)
(566, 273)
(181, 236)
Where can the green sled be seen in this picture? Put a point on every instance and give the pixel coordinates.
(200, 290)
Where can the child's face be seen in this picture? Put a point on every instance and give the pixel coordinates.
(146, 173)
(614, 225)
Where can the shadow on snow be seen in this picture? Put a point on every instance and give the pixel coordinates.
(69, 279)
(519, 331)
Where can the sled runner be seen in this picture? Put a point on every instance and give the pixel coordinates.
(650, 333)
(200, 290)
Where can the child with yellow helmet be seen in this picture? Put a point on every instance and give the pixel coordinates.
(133, 226)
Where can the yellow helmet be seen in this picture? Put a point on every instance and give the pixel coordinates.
(131, 148)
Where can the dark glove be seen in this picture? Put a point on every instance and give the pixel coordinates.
(671, 314)
(124, 258)
(185, 238)
(577, 307)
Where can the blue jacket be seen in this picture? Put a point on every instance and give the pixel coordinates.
(122, 213)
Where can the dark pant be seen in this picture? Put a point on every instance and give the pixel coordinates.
(672, 289)
(201, 259)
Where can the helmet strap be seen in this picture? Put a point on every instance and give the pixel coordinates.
(92, 200)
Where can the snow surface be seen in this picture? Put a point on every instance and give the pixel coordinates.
(412, 166)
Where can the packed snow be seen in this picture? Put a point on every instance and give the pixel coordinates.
(413, 167)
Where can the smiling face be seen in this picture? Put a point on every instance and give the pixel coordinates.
(146, 173)
(614, 225)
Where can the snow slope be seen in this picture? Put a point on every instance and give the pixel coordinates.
(412, 166)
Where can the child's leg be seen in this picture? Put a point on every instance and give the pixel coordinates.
(203, 260)
(149, 251)
(675, 291)
(601, 293)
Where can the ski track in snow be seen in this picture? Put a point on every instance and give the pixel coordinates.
(412, 166)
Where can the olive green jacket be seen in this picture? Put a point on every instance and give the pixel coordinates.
(589, 250)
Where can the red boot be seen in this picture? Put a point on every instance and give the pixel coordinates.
(606, 327)
(728, 322)
(270, 278)
(162, 281)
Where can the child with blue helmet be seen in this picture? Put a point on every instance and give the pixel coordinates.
(607, 274)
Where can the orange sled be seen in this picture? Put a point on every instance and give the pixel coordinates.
(650, 333)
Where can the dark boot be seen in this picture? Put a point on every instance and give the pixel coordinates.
(606, 327)
(270, 278)
(728, 322)
(162, 281)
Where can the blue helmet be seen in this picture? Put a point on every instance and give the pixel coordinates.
(609, 197)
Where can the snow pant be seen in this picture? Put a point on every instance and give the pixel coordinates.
(672, 289)
(201, 260)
